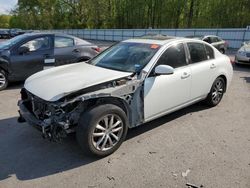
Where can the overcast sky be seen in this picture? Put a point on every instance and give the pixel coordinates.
(7, 5)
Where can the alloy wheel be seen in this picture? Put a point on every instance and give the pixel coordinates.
(2, 80)
(217, 91)
(108, 132)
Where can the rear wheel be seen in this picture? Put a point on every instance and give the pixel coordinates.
(3, 80)
(216, 92)
(102, 129)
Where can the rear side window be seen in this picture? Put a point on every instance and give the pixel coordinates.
(197, 52)
(210, 52)
(62, 42)
(174, 56)
(215, 39)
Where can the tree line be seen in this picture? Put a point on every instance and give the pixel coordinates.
(63, 14)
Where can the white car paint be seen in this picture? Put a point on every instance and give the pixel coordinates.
(162, 94)
(54, 83)
(170, 92)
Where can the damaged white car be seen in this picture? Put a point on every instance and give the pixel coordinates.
(132, 82)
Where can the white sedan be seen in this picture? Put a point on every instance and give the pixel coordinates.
(132, 82)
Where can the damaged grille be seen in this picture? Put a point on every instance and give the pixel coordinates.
(35, 105)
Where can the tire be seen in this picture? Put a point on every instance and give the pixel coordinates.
(3, 80)
(216, 93)
(94, 133)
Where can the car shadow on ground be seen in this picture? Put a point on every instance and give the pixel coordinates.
(247, 79)
(15, 85)
(24, 154)
(242, 68)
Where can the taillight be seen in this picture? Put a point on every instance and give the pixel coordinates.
(226, 43)
(97, 49)
(231, 61)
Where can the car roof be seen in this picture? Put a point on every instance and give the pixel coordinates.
(152, 39)
(201, 36)
(161, 41)
(48, 33)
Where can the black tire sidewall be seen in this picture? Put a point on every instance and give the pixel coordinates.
(87, 123)
(6, 78)
(209, 97)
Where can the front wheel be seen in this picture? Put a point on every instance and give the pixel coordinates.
(216, 92)
(3, 80)
(102, 129)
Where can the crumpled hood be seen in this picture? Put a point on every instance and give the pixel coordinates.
(55, 83)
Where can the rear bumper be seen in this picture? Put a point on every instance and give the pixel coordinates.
(242, 59)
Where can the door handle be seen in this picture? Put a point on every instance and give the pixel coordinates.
(46, 55)
(76, 50)
(185, 75)
(212, 66)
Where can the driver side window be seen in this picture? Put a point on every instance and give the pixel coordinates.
(174, 56)
(37, 44)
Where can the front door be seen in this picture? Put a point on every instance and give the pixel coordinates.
(166, 92)
(39, 51)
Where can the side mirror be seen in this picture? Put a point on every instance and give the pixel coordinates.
(164, 70)
(23, 50)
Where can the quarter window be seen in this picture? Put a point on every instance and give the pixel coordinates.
(174, 56)
(62, 42)
(37, 44)
(197, 52)
(210, 52)
(215, 39)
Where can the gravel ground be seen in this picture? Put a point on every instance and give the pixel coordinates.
(199, 145)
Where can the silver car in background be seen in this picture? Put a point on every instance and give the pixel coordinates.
(243, 54)
(215, 41)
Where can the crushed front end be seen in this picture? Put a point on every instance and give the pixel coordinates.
(54, 121)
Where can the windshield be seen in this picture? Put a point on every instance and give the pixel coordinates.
(126, 56)
(8, 43)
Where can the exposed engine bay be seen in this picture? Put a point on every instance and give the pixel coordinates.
(59, 118)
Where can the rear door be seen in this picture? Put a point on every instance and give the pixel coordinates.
(203, 68)
(40, 51)
(65, 50)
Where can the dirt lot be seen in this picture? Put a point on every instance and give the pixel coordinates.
(199, 145)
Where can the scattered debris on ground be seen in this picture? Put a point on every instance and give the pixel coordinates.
(152, 152)
(184, 174)
(190, 185)
(174, 174)
(110, 178)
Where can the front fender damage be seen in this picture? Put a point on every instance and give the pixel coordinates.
(61, 117)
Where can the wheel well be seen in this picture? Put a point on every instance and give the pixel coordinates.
(225, 80)
(83, 59)
(91, 103)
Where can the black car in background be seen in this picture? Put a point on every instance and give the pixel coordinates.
(29, 53)
(4, 34)
(216, 41)
(9, 33)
